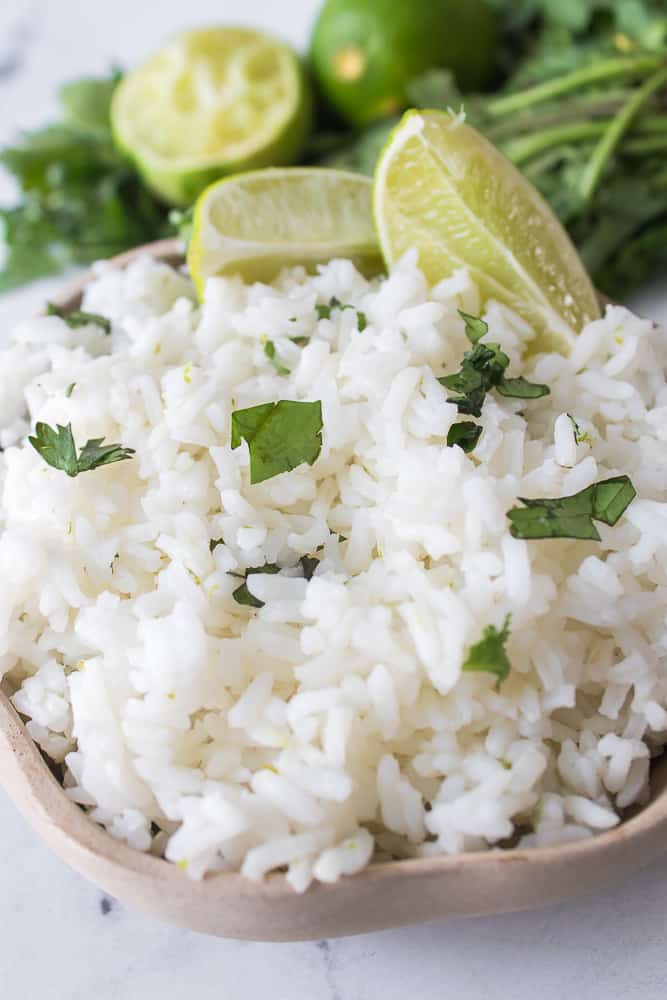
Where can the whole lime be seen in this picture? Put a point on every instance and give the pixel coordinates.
(365, 52)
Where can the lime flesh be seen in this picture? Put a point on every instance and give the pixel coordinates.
(444, 189)
(210, 103)
(256, 223)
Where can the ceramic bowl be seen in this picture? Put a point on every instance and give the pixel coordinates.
(384, 895)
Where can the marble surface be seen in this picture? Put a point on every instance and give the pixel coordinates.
(60, 938)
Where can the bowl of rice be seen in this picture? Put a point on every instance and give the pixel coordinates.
(281, 692)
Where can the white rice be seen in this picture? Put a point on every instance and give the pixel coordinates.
(334, 724)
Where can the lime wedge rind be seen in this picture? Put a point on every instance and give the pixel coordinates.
(444, 189)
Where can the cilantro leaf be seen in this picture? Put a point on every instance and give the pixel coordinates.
(489, 655)
(475, 328)
(70, 389)
(270, 351)
(521, 388)
(76, 317)
(309, 564)
(95, 454)
(300, 341)
(482, 370)
(324, 312)
(58, 449)
(573, 516)
(242, 595)
(465, 434)
(214, 542)
(280, 436)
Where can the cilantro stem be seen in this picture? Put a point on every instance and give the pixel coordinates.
(526, 146)
(646, 144)
(606, 69)
(647, 135)
(594, 170)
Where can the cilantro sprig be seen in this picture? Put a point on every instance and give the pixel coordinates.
(270, 351)
(76, 318)
(324, 312)
(573, 516)
(58, 449)
(489, 654)
(483, 369)
(280, 436)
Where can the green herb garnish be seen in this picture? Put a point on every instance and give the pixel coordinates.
(280, 436)
(483, 369)
(270, 351)
(70, 389)
(309, 564)
(475, 327)
(324, 312)
(489, 655)
(214, 542)
(58, 449)
(242, 595)
(80, 198)
(573, 516)
(465, 434)
(300, 341)
(76, 317)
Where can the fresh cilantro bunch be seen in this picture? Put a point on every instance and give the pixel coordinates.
(580, 106)
(79, 199)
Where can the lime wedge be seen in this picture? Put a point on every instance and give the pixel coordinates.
(256, 223)
(210, 103)
(442, 188)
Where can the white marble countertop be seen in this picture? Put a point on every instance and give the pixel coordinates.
(60, 938)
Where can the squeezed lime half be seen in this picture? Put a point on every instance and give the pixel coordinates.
(210, 103)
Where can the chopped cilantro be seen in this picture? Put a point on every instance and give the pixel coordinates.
(270, 351)
(489, 655)
(465, 434)
(280, 436)
(242, 595)
(573, 516)
(76, 317)
(483, 369)
(309, 564)
(300, 341)
(324, 312)
(214, 542)
(475, 327)
(58, 449)
(70, 389)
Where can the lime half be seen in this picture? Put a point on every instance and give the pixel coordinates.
(210, 103)
(444, 189)
(256, 223)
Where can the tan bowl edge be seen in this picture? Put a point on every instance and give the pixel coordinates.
(384, 895)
